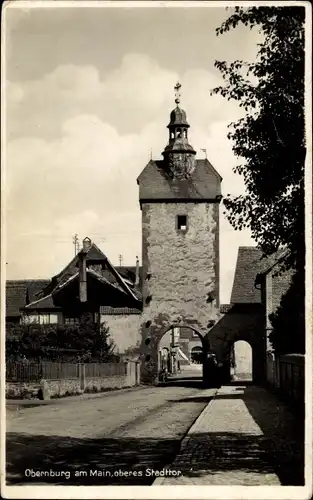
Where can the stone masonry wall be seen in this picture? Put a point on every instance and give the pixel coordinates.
(63, 387)
(180, 273)
(97, 384)
(22, 390)
(79, 385)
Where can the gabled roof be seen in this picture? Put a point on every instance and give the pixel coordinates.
(272, 262)
(103, 279)
(94, 254)
(121, 282)
(203, 184)
(247, 267)
(250, 264)
(115, 281)
(21, 292)
(45, 303)
(129, 272)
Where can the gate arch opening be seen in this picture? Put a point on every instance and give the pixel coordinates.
(242, 361)
(178, 348)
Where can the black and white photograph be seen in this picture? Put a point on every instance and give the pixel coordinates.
(156, 325)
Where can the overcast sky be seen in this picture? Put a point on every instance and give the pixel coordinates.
(88, 96)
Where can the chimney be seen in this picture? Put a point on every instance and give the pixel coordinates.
(82, 276)
(86, 244)
(137, 272)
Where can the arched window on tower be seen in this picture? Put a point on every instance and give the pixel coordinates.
(185, 133)
(179, 133)
(172, 136)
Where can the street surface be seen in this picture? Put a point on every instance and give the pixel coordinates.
(246, 436)
(110, 439)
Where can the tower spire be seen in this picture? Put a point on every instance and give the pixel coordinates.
(177, 94)
(179, 155)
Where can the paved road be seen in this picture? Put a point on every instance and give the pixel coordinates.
(118, 434)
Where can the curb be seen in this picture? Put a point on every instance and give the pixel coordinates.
(32, 403)
(184, 443)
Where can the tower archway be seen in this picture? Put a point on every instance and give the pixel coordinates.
(177, 350)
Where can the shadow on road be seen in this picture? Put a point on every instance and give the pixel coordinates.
(192, 399)
(84, 459)
(78, 457)
(196, 383)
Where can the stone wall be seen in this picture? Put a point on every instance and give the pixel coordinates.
(22, 390)
(55, 388)
(125, 332)
(61, 387)
(180, 274)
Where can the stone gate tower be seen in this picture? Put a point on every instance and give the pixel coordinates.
(179, 199)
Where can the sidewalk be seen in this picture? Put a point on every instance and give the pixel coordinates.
(244, 436)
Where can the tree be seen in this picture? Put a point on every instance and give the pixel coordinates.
(94, 340)
(85, 342)
(270, 142)
(269, 139)
(288, 321)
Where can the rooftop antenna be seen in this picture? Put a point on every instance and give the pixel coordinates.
(76, 243)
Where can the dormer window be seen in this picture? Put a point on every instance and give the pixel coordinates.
(182, 223)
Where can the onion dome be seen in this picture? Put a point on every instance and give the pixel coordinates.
(179, 155)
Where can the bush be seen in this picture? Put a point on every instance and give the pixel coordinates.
(86, 342)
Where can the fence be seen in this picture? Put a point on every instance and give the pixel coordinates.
(48, 379)
(34, 371)
(23, 372)
(285, 373)
(104, 369)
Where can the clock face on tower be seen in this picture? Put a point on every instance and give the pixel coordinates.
(181, 165)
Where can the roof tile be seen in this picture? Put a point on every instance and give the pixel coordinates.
(250, 263)
(247, 267)
(21, 292)
(154, 184)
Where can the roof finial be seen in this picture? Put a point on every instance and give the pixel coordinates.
(177, 94)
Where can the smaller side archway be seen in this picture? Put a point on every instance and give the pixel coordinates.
(242, 361)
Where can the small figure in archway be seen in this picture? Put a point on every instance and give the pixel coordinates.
(212, 370)
(163, 374)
